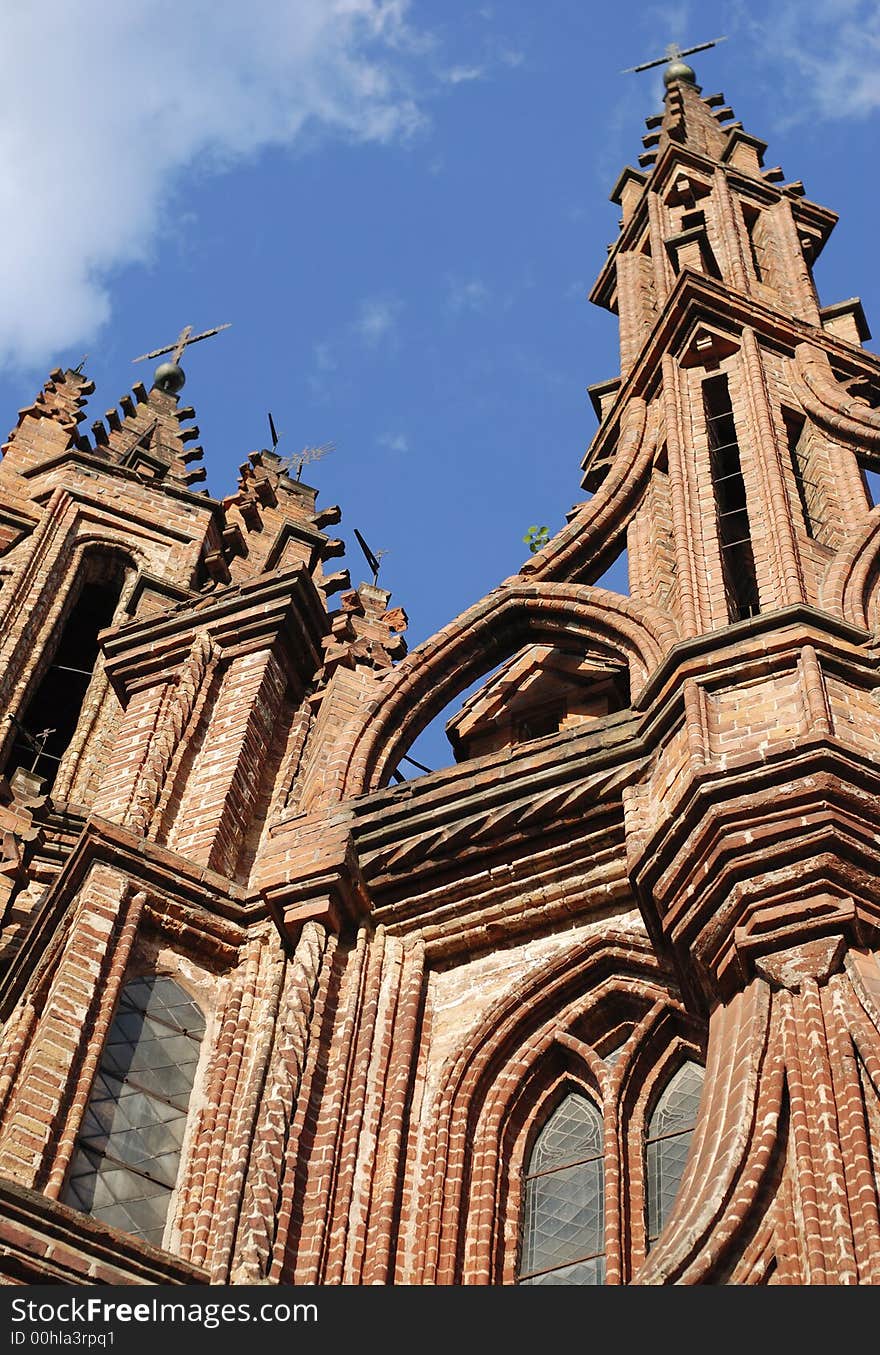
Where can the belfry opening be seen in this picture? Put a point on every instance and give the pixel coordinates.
(44, 730)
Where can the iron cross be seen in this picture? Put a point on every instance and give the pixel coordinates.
(673, 53)
(180, 343)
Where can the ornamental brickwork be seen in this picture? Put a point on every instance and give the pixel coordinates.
(657, 851)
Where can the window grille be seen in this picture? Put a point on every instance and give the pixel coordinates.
(734, 531)
(125, 1165)
(806, 488)
(667, 1142)
(564, 1209)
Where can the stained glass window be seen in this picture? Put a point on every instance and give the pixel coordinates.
(125, 1165)
(668, 1139)
(564, 1215)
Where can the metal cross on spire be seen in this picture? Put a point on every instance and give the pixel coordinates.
(182, 340)
(673, 53)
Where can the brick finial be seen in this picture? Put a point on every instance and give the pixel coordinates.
(364, 632)
(61, 401)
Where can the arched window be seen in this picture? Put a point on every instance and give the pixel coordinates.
(564, 1215)
(125, 1165)
(670, 1131)
(48, 723)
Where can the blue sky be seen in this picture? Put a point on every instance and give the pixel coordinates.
(400, 207)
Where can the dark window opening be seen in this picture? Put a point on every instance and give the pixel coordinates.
(734, 532)
(751, 218)
(794, 428)
(45, 729)
(538, 723)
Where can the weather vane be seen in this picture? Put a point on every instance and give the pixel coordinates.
(169, 375)
(673, 53)
(373, 558)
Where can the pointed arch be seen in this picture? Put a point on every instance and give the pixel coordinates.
(531, 1050)
(564, 1237)
(734, 1146)
(63, 658)
(668, 1137)
(513, 615)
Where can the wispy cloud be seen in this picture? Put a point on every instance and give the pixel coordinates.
(829, 59)
(325, 358)
(326, 361)
(395, 442)
(89, 165)
(376, 320)
(458, 75)
(469, 294)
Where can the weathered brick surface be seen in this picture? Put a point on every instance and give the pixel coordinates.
(401, 981)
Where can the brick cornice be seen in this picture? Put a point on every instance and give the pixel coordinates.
(98, 465)
(754, 640)
(45, 1242)
(407, 853)
(240, 618)
(105, 510)
(764, 855)
(214, 911)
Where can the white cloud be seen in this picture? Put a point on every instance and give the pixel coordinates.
(827, 58)
(376, 320)
(106, 104)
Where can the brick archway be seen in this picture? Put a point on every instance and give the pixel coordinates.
(513, 615)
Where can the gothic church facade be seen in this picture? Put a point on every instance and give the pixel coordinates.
(597, 1004)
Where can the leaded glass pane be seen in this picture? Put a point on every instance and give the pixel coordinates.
(668, 1141)
(573, 1132)
(584, 1272)
(564, 1207)
(128, 1150)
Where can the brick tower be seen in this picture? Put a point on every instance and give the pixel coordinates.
(598, 1003)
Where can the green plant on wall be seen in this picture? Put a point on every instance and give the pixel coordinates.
(536, 538)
